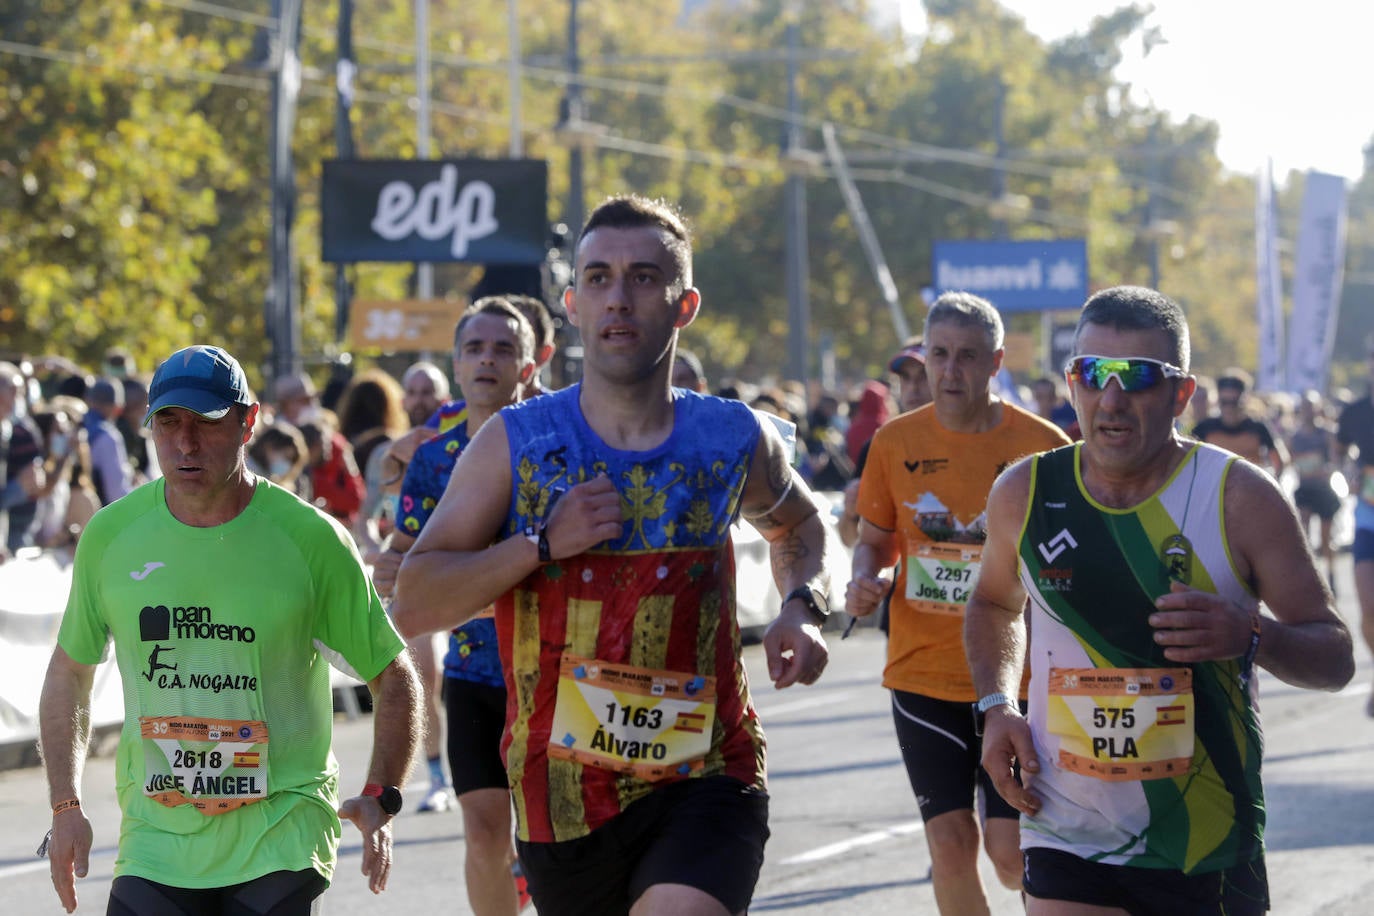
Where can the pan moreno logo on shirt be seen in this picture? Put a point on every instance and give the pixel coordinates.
(159, 622)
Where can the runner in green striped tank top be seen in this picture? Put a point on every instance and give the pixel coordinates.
(1137, 561)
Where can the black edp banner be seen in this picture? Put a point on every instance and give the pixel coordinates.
(483, 211)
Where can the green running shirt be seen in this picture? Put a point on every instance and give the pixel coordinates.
(1136, 767)
(225, 635)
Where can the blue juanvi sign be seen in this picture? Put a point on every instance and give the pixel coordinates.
(1015, 276)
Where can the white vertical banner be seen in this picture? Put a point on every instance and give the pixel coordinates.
(1317, 276)
(1268, 286)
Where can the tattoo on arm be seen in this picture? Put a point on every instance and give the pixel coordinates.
(780, 480)
(786, 553)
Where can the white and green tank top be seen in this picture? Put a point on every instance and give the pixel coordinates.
(1144, 761)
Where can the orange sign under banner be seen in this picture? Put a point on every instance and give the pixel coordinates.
(405, 324)
(1022, 353)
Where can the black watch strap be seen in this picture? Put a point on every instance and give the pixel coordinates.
(538, 534)
(814, 600)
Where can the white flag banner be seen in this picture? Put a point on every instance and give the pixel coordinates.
(1317, 277)
(1268, 286)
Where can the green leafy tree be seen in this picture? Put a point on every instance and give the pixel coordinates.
(112, 179)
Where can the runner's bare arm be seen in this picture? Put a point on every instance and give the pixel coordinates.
(994, 619)
(995, 638)
(397, 724)
(398, 720)
(1305, 643)
(781, 506)
(454, 570)
(64, 722)
(874, 554)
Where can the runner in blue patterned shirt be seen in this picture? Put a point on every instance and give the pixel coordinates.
(493, 360)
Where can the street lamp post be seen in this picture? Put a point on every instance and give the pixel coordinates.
(795, 265)
(282, 326)
(572, 118)
(424, 273)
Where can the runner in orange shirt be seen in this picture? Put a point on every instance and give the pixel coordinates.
(921, 500)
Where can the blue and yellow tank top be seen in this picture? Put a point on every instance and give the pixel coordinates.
(623, 664)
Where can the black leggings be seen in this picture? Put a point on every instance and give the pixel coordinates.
(280, 893)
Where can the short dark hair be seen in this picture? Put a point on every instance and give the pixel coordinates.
(966, 310)
(1237, 380)
(631, 211)
(536, 312)
(501, 307)
(1138, 308)
(691, 361)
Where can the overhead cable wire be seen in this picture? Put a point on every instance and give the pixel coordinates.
(1013, 163)
(220, 78)
(563, 78)
(610, 140)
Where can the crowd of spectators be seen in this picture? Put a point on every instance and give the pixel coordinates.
(72, 440)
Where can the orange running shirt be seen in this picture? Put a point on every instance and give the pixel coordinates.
(930, 486)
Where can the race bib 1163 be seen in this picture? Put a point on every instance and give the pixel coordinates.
(652, 724)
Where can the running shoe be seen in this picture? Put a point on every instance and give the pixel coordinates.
(522, 889)
(440, 798)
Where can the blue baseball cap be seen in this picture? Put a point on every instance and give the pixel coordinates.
(916, 351)
(205, 380)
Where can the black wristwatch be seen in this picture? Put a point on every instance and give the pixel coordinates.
(388, 797)
(538, 535)
(814, 599)
(980, 709)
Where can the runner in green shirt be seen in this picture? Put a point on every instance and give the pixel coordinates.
(225, 598)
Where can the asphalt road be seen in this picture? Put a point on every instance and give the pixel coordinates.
(846, 834)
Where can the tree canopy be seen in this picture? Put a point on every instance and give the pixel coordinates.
(135, 199)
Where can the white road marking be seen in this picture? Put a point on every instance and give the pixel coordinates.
(844, 846)
(38, 865)
(821, 699)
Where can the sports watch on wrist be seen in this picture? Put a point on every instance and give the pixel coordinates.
(814, 599)
(537, 534)
(388, 797)
(980, 709)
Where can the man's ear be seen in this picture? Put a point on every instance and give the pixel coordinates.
(1184, 395)
(688, 304)
(542, 356)
(997, 357)
(527, 372)
(250, 419)
(570, 304)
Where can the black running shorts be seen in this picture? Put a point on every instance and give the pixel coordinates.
(280, 893)
(1051, 874)
(706, 833)
(476, 716)
(943, 756)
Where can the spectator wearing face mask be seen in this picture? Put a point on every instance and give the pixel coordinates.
(279, 453)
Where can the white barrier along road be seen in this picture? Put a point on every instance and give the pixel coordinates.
(33, 593)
